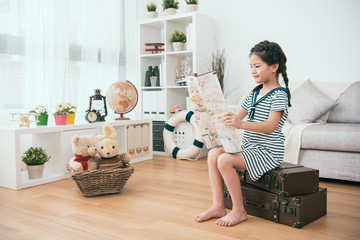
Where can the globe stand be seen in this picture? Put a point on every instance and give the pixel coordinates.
(121, 117)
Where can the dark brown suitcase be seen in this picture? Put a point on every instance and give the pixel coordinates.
(286, 180)
(296, 211)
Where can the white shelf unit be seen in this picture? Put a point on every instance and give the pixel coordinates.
(56, 140)
(157, 101)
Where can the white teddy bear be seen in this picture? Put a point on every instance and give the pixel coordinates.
(85, 152)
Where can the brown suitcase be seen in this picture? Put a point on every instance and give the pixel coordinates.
(296, 211)
(286, 180)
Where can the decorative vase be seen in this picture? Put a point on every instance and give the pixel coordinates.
(70, 118)
(60, 119)
(43, 119)
(151, 14)
(178, 46)
(35, 171)
(170, 11)
(191, 7)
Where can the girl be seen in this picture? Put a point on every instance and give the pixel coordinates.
(263, 142)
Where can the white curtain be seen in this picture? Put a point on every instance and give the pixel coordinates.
(47, 55)
(55, 51)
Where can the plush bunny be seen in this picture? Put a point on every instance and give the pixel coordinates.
(85, 154)
(108, 149)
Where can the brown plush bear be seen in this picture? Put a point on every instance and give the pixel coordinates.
(85, 153)
(108, 149)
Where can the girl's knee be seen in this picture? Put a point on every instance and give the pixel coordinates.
(216, 151)
(214, 154)
(223, 162)
(212, 160)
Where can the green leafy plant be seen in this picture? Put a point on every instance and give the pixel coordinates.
(218, 64)
(151, 7)
(170, 4)
(40, 109)
(177, 36)
(192, 2)
(35, 156)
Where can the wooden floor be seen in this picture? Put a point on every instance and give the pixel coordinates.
(159, 201)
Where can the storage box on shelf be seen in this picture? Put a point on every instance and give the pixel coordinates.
(57, 142)
(158, 127)
(161, 95)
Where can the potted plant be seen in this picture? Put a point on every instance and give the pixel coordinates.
(218, 63)
(70, 111)
(61, 114)
(191, 5)
(170, 6)
(152, 13)
(35, 158)
(177, 38)
(43, 117)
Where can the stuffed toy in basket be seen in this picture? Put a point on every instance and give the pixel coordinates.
(114, 168)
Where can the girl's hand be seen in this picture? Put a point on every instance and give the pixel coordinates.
(232, 120)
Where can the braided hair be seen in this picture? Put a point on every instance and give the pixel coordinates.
(271, 53)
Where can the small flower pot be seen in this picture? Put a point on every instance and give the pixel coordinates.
(35, 171)
(43, 120)
(70, 118)
(178, 46)
(60, 119)
(169, 11)
(151, 14)
(191, 7)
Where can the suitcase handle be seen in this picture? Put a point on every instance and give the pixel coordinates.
(258, 205)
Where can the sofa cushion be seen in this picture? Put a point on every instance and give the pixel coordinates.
(332, 136)
(331, 164)
(348, 108)
(308, 104)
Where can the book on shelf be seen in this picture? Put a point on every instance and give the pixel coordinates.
(209, 106)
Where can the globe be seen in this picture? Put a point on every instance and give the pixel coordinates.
(122, 97)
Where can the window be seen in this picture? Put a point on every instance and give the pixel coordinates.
(58, 51)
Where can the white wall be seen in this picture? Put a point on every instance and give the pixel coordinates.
(321, 38)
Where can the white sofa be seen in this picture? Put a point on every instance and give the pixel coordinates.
(332, 147)
(332, 143)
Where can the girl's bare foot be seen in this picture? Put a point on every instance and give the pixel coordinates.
(232, 218)
(212, 212)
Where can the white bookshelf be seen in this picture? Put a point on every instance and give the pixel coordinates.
(157, 101)
(56, 140)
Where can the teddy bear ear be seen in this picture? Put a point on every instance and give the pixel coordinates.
(109, 131)
(75, 139)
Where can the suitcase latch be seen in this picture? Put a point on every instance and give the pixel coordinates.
(241, 174)
(298, 201)
(284, 209)
(269, 180)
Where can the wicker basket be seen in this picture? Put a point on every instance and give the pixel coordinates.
(98, 182)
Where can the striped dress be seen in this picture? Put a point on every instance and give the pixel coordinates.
(264, 151)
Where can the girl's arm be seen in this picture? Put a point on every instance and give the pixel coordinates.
(241, 113)
(269, 126)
